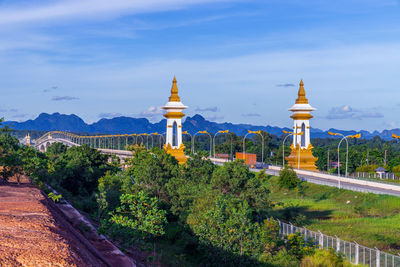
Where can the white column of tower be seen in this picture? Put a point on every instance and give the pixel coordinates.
(174, 108)
(301, 118)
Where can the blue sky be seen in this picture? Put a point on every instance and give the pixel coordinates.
(235, 61)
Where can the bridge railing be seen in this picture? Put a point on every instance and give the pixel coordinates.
(368, 179)
(114, 141)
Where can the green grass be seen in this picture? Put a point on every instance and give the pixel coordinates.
(371, 220)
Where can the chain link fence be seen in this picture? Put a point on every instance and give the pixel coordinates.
(352, 251)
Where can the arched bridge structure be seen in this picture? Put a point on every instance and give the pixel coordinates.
(106, 144)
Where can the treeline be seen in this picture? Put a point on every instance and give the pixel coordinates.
(182, 215)
(364, 154)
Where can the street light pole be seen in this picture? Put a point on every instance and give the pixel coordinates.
(203, 132)
(215, 135)
(191, 139)
(262, 144)
(347, 150)
(283, 147)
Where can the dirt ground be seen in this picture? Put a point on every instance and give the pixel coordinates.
(33, 234)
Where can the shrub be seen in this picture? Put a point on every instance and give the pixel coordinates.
(141, 215)
(288, 178)
(324, 258)
(55, 198)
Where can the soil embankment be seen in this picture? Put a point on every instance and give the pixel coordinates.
(34, 234)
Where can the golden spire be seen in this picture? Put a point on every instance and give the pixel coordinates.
(174, 92)
(301, 99)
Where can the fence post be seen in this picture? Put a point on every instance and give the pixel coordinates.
(378, 257)
(291, 228)
(280, 227)
(337, 244)
(321, 239)
(357, 253)
(305, 235)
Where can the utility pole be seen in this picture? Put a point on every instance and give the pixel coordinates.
(327, 164)
(384, 161)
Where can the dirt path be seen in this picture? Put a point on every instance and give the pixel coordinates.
(33, 234)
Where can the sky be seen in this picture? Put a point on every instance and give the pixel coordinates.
(235, 61)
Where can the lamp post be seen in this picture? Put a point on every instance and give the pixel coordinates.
(215, 135)
(231, 156)
(140, 135)
(262, 145)
(155, 133)
(283, 147)
(191, 139)
(202, 132)
(347, 149)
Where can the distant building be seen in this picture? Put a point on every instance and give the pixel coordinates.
(380, 171)
(334, 164)
(222, 156)
(249, 158)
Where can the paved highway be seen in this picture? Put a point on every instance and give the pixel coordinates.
(330, 182)
(334, 183)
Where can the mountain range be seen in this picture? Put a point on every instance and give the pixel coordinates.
(124, 125)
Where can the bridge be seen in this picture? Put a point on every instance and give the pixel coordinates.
(116, 144)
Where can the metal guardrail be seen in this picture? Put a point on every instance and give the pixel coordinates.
(350, 177)
(352, 251)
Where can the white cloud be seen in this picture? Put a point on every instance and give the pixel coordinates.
(152, 113)
(109, 115)
(64, 98)
(347, 112)
(88, 9)
(207, 109)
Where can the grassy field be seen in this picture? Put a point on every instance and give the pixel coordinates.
(371, 220)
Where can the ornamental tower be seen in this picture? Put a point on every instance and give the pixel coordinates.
(173, 141)
(28, 140)
(301, 155)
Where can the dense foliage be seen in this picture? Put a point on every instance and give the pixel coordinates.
(207, 214)
(192, 214)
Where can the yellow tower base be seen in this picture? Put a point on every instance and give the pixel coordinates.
(178, 153)
(307, 160)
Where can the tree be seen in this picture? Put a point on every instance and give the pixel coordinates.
(151, 171)
(79, 169)
(34, 164)
(226, 224)
(10, 160)
(288, 178)
(141, 214)
(225, 229)
(110, 191)
(231, 178)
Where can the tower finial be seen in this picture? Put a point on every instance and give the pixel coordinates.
(174, 92)
(301, 95)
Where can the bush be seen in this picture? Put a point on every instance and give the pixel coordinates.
(288, 178)
(55, 198)
(141, 215)
(324, 258)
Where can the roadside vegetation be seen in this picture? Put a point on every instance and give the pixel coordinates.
(192, 214)
(370, 219)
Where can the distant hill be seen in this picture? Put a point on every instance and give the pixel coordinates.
(121, 125)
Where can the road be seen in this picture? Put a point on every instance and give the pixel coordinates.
(329, 182)
(334, 183)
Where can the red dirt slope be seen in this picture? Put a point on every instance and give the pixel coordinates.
(34, 234)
